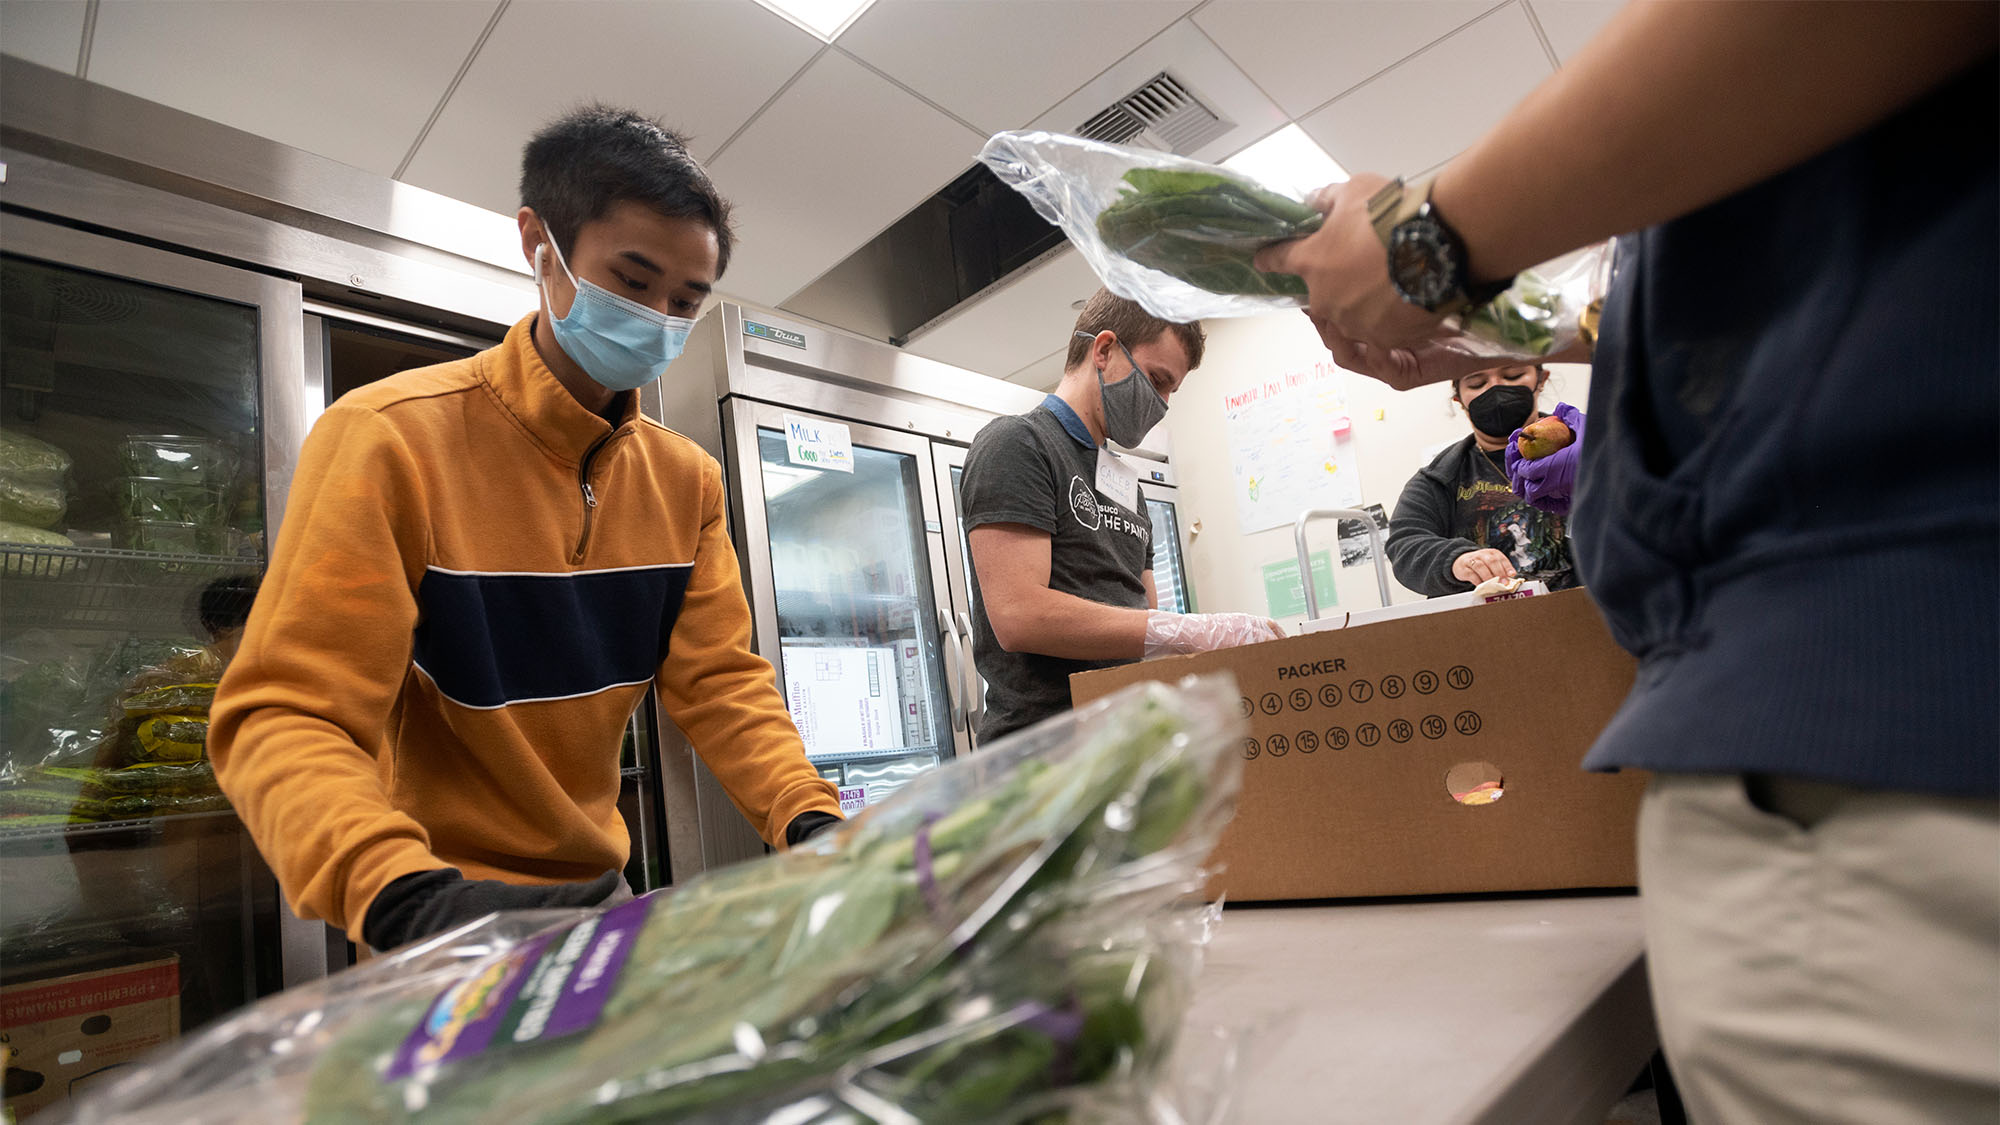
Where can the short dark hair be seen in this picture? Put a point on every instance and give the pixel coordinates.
(1133, 326)
(225, 603)
(586, 160)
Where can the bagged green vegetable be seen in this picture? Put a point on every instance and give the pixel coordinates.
(32, 503)
(21, 564)
(31, 460)
(1007, 939)
(1178, 236)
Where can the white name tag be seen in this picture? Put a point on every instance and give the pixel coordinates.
(1117, 480)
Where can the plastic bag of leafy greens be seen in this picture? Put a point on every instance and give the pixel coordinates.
(1173, 234)
(31, 460)
(1178, 236)
(991, 944)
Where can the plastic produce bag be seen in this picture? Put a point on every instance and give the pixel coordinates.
(1010, 938)
(1178, 236)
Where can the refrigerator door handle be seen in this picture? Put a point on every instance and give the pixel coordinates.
(954, 660)
(975, 699)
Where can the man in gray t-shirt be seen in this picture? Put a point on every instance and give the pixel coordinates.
(1061, 549)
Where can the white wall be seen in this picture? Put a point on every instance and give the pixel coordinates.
(1225, 566)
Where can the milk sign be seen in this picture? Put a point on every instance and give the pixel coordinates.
(818, 444)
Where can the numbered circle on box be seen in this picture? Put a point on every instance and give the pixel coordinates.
(1307, 742)
(1433, 727)
(1329, 695)
(1393, 687)
(1425, 682)
(1277, 746)
(1467, 722)
(1368, 734)
(1400, 730)
(1248, 707)
(1271, 703)
(1336, 738)
(1360, 691)
(1251, 749)
(1301, 699)
(1459, 676)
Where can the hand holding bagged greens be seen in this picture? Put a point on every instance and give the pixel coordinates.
(992, 944)
(1180, 237)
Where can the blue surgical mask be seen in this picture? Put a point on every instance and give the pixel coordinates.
(618, 342)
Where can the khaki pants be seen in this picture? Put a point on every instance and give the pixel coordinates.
(1822, 953)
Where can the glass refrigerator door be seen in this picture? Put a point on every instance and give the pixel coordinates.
(145, 400)
(1169, 576)
(847, 591)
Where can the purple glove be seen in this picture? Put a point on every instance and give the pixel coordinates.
(1547, 483)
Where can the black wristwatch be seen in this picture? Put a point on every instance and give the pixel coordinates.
(1427, 259)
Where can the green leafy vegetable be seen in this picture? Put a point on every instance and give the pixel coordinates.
(962, 953)
(1525, 319)
(1204, 228)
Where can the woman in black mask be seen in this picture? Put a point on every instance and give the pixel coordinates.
(1458, 523)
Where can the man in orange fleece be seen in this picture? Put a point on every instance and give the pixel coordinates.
(484, 567)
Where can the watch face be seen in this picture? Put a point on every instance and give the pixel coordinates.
(1421, 264)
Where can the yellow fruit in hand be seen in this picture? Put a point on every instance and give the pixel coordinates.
(1542, 437)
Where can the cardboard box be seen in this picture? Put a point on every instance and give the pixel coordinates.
(66, 1033)
(1361, 737)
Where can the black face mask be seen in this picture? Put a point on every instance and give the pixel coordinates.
(1501, 410)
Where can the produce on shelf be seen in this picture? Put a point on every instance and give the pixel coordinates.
(14, 535)
(1007, 939)
(34, 482)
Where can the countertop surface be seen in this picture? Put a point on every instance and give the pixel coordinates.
(1495, 1009)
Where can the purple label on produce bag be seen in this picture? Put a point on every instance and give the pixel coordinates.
(547, 987)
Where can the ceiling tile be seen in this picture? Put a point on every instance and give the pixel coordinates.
(1015, 323)
(681, 63)
(995, 63)
(48, 32)
(1570, 24)
(1430, 108)
(1191, 57)
(837, 158)
(1304, 53)
(1044, 373)
(353, 80)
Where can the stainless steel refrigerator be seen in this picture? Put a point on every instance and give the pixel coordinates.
(843, 458)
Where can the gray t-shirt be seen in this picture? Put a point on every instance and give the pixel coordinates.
(1028, 469)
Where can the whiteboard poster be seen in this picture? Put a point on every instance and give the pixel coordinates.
(1291, 446)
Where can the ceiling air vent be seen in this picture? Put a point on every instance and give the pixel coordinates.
(1162, 114)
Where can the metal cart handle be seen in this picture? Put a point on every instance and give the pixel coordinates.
(1305, 560)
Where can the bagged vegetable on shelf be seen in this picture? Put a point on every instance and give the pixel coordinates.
(31, 460)
(38, 564)
(1177, 236)
(1007, 939)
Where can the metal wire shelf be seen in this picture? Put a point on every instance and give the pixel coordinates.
(104, 588)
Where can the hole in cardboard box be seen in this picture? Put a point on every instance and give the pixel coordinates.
(97, 1024)
(69, 1058)
(22, 1081)
(1474, 783)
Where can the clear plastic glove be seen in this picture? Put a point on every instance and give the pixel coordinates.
(1548, 482)
(1202, 632)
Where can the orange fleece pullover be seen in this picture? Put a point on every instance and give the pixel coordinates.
(476, 582)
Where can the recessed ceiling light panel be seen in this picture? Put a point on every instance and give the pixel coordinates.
(825, 19)
(1289, 161)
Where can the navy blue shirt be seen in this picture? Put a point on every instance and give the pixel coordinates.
(1788, 505)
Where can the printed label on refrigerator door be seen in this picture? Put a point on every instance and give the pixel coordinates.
(818, 444)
